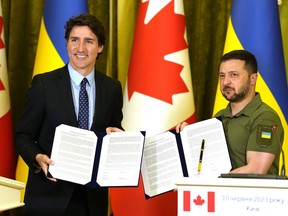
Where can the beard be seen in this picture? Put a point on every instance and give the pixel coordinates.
(233, 96)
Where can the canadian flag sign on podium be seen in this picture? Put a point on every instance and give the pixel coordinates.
(193, 202)
(202, 196)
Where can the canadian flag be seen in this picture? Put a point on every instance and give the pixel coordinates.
(158, 93)
(7, 160)
(198, 202)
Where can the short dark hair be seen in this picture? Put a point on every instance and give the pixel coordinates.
(250, 61)
(89, 20)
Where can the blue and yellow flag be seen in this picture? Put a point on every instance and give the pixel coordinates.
(254, 26)
(283, 13)
(51, 50)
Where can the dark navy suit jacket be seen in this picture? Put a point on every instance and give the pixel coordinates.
(49, 103)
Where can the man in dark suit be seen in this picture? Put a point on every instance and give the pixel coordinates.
(53, 99)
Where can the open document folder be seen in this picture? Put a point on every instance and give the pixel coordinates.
(199, 150)
(86, 158)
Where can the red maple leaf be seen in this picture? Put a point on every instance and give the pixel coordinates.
(199, 200)
(1, 29)
(2, 87)
(149, 73)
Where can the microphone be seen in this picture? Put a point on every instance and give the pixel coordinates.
(283, 169)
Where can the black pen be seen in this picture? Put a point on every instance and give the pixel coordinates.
(201, 156)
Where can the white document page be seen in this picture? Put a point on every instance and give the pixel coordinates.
(73, 153)
(161, 164)
(120, 159)
(215, 154)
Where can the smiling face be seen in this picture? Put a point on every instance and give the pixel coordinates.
(83, 48)
(235, 81)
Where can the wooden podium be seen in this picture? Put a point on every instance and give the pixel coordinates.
(10, 193)
(232, 196)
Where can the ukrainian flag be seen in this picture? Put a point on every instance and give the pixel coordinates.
(266, 135)
(254, 26)
(51, 50)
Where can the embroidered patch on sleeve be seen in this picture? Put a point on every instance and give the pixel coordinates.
(264, 135)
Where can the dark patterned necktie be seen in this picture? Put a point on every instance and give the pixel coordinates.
(83, 115)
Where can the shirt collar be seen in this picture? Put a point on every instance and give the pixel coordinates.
(248, 109)
(76, 77)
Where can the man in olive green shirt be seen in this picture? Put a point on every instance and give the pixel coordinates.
(253, 130)
(250, 132)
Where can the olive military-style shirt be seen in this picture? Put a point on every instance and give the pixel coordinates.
(255, 128)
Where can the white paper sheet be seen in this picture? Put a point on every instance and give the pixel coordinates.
(120, 159)
(73, 153)
(215, 158)
(161, 164)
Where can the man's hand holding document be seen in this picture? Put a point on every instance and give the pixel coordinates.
(205, 148)
(199, 150)
(81, 155)
(86, 158)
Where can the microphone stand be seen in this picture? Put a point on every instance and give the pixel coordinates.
(283, 168)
